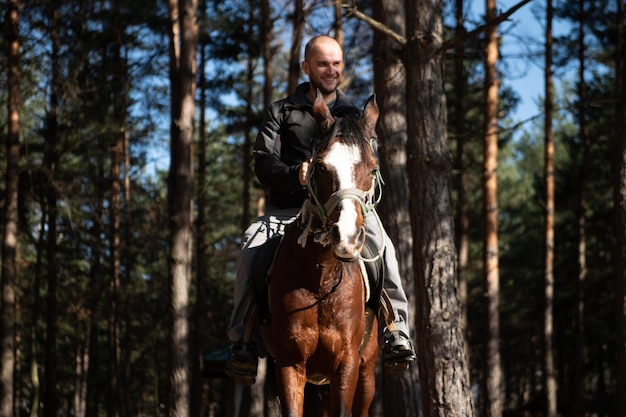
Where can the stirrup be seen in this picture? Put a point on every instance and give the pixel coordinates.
(398, 352)
(242, 363)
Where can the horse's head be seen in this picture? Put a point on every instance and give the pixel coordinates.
(342, 178)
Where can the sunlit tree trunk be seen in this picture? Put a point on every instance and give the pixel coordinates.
(549, 376)
(9, 236)
(183, 47)
(492, 389)
(443, 371)
(620, 213)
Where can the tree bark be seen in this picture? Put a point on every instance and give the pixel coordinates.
(338, 23)
(620, 213)
(549, 376)
(296, 45)
(461, 211)
(201, 310)
(492, 405)
(117, 148)
(183, 46)
(400, 392)
(51, 400)
(579, 315)
(443, 372)
(10, 221)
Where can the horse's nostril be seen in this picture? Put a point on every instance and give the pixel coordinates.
(334, 234)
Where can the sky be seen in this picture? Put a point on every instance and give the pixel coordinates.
(522, 50)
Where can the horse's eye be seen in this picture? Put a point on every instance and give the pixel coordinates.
(319, 167)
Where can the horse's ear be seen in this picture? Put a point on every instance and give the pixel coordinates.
(321, 112)
(370, 116)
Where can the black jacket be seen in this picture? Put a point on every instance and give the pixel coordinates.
(285, 140)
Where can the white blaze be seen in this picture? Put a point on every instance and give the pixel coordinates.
(343, 158)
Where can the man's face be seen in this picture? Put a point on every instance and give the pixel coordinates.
(324, 66)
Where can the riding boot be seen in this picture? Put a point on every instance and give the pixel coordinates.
(398, 352)
(242, 363)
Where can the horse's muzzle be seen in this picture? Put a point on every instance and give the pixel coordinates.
(347, 248)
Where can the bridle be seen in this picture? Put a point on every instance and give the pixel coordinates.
(367, 200)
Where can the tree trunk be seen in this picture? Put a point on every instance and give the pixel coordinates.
(575, 403)
(183, 46)
(266, 29)
(620, 213)
(9, 237)
(296, 44)
(461, 216)
(116, 148)
(443, 372)
(400, 393)
(492, 405)
(549, 381)
(51, 400)
(201, 311)
(338, 23)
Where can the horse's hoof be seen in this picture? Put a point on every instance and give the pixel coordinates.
(242, 364)
(398, 352)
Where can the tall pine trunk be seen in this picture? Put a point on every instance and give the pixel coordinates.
(201, 311)
(400, 393)
(443, 371)
(183, 46)
(9, 237)
(492, 383)
(620, 212)
(578, 361)
(116, 148)
(549, 377)
(51, 398)
(390, 87)
(461, 213)
(296, 43)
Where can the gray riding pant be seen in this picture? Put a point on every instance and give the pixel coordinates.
(273, 224)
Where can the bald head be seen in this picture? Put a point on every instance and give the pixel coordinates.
(324, 42)
(323, 64)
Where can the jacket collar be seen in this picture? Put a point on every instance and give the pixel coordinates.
(341, 106)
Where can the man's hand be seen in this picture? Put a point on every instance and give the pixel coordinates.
(304, 169)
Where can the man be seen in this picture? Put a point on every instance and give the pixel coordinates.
(281, 153)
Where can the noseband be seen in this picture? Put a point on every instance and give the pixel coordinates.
(366, 199)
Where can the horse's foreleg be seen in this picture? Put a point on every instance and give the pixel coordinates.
(290, 382)
(343, 386)
(366, 386)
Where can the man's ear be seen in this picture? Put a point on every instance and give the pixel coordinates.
(321, 112)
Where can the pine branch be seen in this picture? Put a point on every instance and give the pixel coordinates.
(375, 24)
(352, 10)
(450, 43)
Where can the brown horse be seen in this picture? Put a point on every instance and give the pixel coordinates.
(319, 329)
